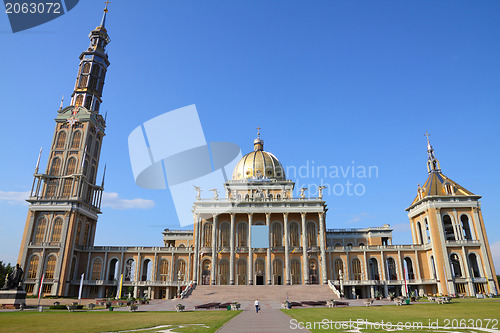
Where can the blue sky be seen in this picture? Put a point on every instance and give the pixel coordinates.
(331, 83)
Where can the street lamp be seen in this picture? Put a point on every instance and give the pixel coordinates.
(179, 275)
(341, 278)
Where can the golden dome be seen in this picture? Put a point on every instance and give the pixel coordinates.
(259, 164)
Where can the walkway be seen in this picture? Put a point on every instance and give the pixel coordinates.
(267, 320)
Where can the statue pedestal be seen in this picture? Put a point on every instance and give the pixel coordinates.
(10, 299)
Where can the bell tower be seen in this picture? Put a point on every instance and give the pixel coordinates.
(65, 200)
(446, 220)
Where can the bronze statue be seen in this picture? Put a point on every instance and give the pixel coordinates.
(13, 279)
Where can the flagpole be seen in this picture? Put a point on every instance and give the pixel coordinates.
(80, 291)
(40, 289)
(119, 295)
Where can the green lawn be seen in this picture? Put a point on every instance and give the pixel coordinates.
(105, 321)
(469, 313)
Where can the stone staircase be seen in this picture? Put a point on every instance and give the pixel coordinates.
(205, 294)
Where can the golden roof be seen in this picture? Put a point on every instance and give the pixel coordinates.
(259, 164)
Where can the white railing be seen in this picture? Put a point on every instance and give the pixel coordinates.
(334, 289)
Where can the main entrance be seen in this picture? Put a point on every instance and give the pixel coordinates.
(259, 272)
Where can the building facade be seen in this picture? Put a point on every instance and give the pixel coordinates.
(257, 234)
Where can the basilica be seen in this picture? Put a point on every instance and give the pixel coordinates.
(257, 233)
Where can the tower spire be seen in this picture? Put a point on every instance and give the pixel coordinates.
(103, 21)
(432, 161)
(258, 144)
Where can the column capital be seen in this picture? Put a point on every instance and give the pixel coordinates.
(250, 215)
(321, 215)
(268, 215)
(285, 215)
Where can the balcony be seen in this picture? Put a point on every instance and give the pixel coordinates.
(463, 242)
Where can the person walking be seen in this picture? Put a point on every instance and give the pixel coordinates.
(257, 306)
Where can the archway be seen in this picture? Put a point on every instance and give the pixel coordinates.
(260, 269)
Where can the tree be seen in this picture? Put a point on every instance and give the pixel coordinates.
(4, 270)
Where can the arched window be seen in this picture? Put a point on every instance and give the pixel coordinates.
(295, 271)
(146, 270)
(56, 230)
(86, 234)
(129, 270)
(419, 234)
(427, 232)
(339, 267)
(77, 139)
(50, 267)
(84, 79)
(163, 270)
(224, 234)
(55, 167)
(33, 267)
(455, 265)
(311, 234)
(391, 269)
(474, 267)
(277, 235)
(68, 182)
(356, 269)
(294, 234)
(78, 232)
(241, 235)
(96, 269)
(449, 233)
(61, 140)
(180, 269)
(373, 269)
(207, 234)
(433, 265)
(361, 244)
(466, 227)
(40, 230)
(410, 275)
(113, 270)
(79, 100)
(277, 272)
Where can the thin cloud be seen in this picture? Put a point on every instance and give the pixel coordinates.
(401, 227)
(495, 252)
(358, 217)
(14, 198)
(113, 200)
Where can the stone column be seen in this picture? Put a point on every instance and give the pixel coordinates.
(287, 252)
(322, 246)
(305, 272)
(231, 243)
(214, 248)
(196, 249)
(268, 264)
(250, 252)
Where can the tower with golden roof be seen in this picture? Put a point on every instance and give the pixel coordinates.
(446, 220)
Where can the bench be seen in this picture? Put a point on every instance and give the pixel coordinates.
(133, 307)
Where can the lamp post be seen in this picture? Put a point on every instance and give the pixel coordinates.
(341, 278)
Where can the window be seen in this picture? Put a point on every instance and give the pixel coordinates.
(449, 233)
(96, 269)
(46, 288)
(224, 272)
(86, 68)
(294, 234)
(146, 270)
(433, 265)
(474, 267)
(373, 269)
(95, 70)
(40, 230)
(391, 269)
(410, 275)
(29, 287)
(356, 269)
(72, 272)
(51, 266)
(224, 230)
(55, 166)
(61, 140)
(419, 233)
(79, 100)
(276, 234)
(88, 102)
(207, 234)
(427, 232)
(295, 271)
(180, 270)
(84, 79)
(77, 138)
(241, 271)
(163, 270)
(311, 234)
(78, 231)
(33, 267)
(68, 182)
(56, 230)
(466, 227)
(241, 235)
(86, 234)
(455, 265)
